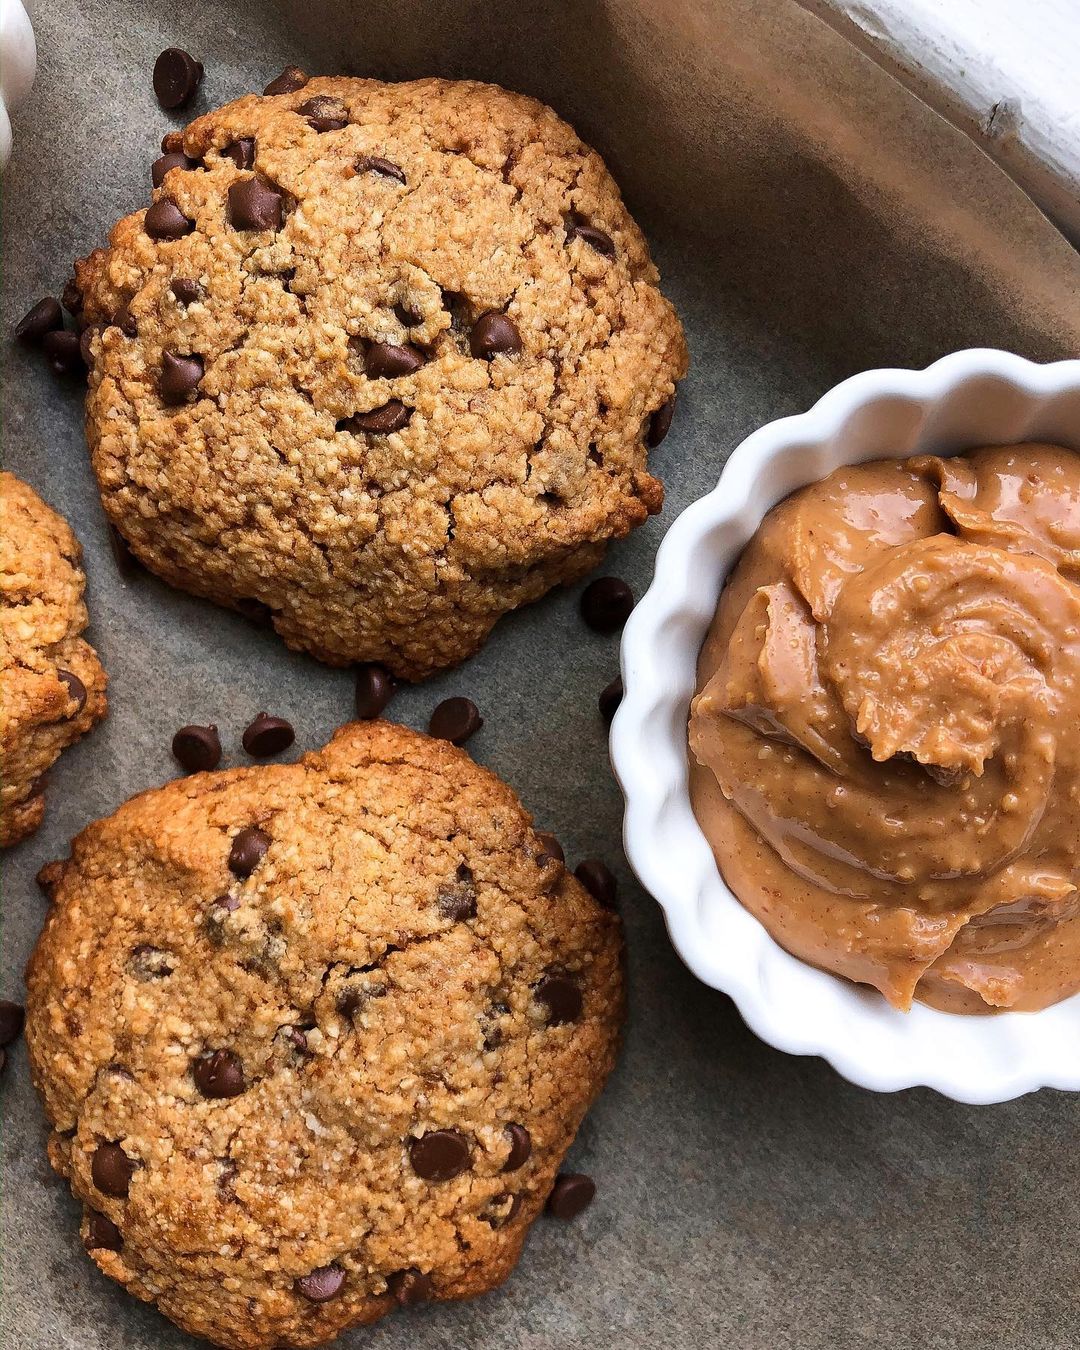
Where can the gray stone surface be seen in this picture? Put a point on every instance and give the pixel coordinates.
(747, 1200)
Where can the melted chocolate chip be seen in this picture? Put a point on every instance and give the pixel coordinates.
(75, 688)
(550, 849)
(599, 880)
(175, 159)
(409, 1286)
(248, 850)
(494, 335)
(561, 997)
(180, 377)
(385, 168)
(254, 204)
(165, 220)
(111, 1170)
(219, 1074)
(387, 360)
(392, 416)
(186, 290)
(241, 152)
(439, 1155)
(577, 227)
(322, 1284)
(290, 79)
(324, 114)
(520, 1147)
(101, 1233)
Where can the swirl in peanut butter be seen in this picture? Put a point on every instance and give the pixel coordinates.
(886, 736)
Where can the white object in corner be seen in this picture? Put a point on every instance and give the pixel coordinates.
(18, 63)
(970, 398)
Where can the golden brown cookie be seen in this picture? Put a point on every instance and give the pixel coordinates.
(52, 686)
(379, 364)
(314, 1037)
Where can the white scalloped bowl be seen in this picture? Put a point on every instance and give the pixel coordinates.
(968, 399)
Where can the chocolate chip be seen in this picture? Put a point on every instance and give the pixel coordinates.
(610, 698)
(247, 851)
(572, 1192)
(550, 849)
(292, 1043)
(63, 352)
(179, 378)
(125, 321)
(186, 290)
(165, 220)
(86, 344)
(196, 748)
(49, 876)
(254, 205)
(126, 562)
(457, 898)
(176, 77)
(520, 1147)
(577, 227)
(599, 880)
(71, 297)
(455, 719)
(408, 318)
(606, 604)
(101, 1233)
(385, 168)
(150, 963)
(219, 1074)
(171, 141)
(76, 689)
(409, 1286)
(12, 1017)
(562, 998)
(290, 79)
(175, 159)
(660, 423)
(494, 335)
(375, 688)
(322, 1284)
(111, 1170)
(381, 421)
(387, 360)
(241, 152)
(439, 1155)
(324, 114)
(256, 611)
(502, 1210)
(267, 736)
(45, 317)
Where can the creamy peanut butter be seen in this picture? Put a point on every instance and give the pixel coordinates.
(886, 738)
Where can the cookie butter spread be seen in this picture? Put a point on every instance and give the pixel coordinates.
(886, 736)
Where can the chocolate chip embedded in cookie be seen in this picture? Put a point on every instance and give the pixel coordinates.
(420, 384)
(314, 1038)
(52, 686)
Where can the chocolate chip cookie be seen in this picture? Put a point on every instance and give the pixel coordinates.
(52, 686)
(380, 363)
(314, 1037)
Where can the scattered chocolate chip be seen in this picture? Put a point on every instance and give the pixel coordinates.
(381, 421)
(63, 352)
(71, 297)
(455, 719)
(76, 689)
(520, 1147)
(49, 876)
(385, 168)
(101, 1233)
(561, 996)
(256, 611)
(610, 698)
(439, 1155)
(660, 423)
(86, 344)
(12, 1017)
(409, 1286)
(322, 1284)
(247, 851)
(324, 114)
(599, 880)
(111, 1170)
(125, 321)
(176, 77)
(175, 159)
(172, 141)
(387, 360)
(255, 205)
(494, 335)
(606, 604)
(165, 220)
(150, 963)
(219, 1074)
(186, 290)
(126, 562)
(577, 227)
(457, 898)
(550, 849)
(45, 317)
(267, 736)
(179, 378)
(408, 318)
(290, 79)
(196, 748)
(375, 688)
(241, 152)
(572, 1193)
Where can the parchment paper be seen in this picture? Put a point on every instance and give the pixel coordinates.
(810, 219)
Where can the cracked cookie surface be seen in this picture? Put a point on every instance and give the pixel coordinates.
(313, 1038)
(52, 685)
(380, 363)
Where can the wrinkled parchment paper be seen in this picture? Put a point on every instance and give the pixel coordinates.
(810, 219)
